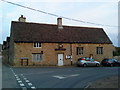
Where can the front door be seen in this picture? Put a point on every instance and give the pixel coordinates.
(60, 59)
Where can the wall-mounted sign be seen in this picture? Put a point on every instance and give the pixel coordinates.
(68, 56)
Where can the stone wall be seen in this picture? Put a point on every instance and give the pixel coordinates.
(50, 58)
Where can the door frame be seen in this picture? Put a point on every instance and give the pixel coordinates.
(58, 59)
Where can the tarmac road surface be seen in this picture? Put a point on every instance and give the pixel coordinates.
(54, 77)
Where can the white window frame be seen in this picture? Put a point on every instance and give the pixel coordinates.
(37, 57)
(80, 50)
(37, 45)
(99, 50)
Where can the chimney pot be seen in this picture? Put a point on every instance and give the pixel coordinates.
(22, 19)
(59, 23)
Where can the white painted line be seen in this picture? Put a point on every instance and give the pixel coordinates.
(33, 87)
(19, 81)
(59, 77)
(15, 75)
(74, 75)
(26, 80)
(30, 84)
(22, 85)
(66, 76)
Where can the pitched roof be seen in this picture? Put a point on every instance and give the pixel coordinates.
(36, 32)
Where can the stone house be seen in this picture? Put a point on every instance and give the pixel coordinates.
(55, 45)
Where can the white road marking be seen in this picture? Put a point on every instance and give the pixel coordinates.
(25, 78)
(75, 75)
(65, 76)
(19, 81)
(27, 81)
(33, 87)
(22, 85)
(15, 75)
(30, 84)
(59, 77)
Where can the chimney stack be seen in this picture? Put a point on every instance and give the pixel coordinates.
(22, 19)
(59, 23)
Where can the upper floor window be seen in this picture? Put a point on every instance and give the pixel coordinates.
(79, 50)
(37, 45)
(99, 50)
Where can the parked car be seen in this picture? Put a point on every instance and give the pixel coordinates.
(87, 62)
(110, 62)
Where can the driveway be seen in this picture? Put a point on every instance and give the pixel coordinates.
(58, 77)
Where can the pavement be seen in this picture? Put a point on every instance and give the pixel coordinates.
(109, 82)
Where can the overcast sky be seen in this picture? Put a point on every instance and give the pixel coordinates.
(95, 11)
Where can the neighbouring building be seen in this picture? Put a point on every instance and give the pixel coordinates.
(5, 50)
(54, 45)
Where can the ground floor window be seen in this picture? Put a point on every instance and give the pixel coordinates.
(79, 50)
(36, 57)
(99, 50)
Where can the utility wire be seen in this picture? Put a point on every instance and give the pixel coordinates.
(56, 14)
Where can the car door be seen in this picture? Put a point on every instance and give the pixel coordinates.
(88, 62)
(92, 62)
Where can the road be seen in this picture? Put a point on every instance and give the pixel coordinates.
(54, 77)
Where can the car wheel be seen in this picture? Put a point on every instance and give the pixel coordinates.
(84, 65)
(97, 65)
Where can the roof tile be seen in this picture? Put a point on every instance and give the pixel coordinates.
(36, 32)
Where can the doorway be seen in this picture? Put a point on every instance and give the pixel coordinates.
(60, 60)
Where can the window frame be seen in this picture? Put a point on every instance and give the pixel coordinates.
(99, 50)
(79, 50)
(37, 57)
(37, 45)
